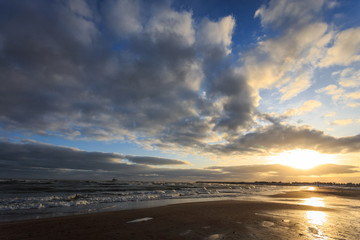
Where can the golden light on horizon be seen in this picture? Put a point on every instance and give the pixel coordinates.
(302, 158)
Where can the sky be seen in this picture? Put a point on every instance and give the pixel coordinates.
(263, 90)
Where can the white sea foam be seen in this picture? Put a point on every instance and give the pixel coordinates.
(35, 194)
(140, 220)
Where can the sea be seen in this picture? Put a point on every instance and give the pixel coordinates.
(23, 199)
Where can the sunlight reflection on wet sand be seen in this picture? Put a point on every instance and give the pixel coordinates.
(316, 217)
(315, 202)
(333, 216)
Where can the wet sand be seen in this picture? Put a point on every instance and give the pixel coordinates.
(200, 220)
(322, 192)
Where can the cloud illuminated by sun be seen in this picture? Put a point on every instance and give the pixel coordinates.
(301, 158)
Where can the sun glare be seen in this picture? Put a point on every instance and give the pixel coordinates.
(302, 159)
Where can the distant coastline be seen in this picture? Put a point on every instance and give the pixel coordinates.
(323, 184)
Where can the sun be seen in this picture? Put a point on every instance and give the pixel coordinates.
(302, 158)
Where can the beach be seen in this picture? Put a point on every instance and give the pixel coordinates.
(287, 216)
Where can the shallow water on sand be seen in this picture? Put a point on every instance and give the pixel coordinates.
(338, 219)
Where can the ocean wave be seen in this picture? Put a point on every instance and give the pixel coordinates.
(44, 194)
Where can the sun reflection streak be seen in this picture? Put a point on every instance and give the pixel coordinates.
(316, 217)
(311, 189)
(315, 202)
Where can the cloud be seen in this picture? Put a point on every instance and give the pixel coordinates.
(308, 106)
(353, 95)
(345, 49)
(333, 90)
(31, 159)
(277, 138)
(293, 88)
(36, 154)
(340, 93)
(172, 24)
(150, 74)
(122, 17)
(285, 171)
(353, 105)
(285, 14)
(287, 60)
(79, 21)
(330, 114)
(342, 122)
(80, 7)
(217, 34)
(108, 72)
(153, 160)
(348, 91)
(349, 78)
(280, 60)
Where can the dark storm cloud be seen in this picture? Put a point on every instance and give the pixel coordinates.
(39, 160)
(34, 154)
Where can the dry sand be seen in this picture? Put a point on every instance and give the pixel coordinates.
(201, 220)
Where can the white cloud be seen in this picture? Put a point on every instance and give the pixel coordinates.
(342, 122)
(194, 76)
(308, 106)
(293, 88)
(217, 34)
(286, 13)
(332, 90)
(353, 105)
(346, 49)
(287, 62)
(330, 114)
(350, 77)
(353, 95)
(339, 93)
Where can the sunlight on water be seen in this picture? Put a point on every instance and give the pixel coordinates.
(316, 217)
(311, 188)
(315, 202)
